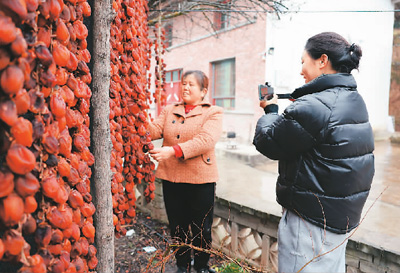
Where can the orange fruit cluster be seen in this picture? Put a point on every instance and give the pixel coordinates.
(129, 100)
(44, 137)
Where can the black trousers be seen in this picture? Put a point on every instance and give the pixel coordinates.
(190, 209)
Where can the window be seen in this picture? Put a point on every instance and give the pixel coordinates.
(221, 19)
(223, 83)
(173, 75)
(168, 35)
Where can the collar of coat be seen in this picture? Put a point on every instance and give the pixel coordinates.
(179, 109)
(325, 81)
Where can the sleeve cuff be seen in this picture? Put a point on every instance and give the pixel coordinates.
(272, 108)
(178, 151)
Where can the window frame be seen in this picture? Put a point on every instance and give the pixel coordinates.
(232, 96)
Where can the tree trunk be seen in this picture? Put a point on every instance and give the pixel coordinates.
(101, 141)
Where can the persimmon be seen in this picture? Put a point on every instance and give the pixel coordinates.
(65, 257)
(75, 199)
(22, 132)
(57, 236)
(62, 76)
(62, 195)
(88, 230)
(29, 226)
(27, 185)
(57, 266)
(61, 54)
(19, 46)
(22, 101)
(20, 159)
(30, 204)
(60, 217)
(12, 79)
(37, 104)
(65, 143)
(50, 186)
(72, 63)
(72, 232)
(87, 209)
(64, 169)
(65, 14)
(71, 29)
(57, 105)
(43, 234)
(13, 242)
(32, 5)
(4, 58)
(67, 245)
(80, 30)
(11, 209)
(8, 31)
(7, 183)
(44, 35)
(54, 9)
(43, 54)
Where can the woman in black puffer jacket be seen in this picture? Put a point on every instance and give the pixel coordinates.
(324, 144)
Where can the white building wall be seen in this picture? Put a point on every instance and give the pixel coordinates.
(373, 31)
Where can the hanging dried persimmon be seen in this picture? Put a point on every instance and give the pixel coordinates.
(19, 46)
(50, 144)
(13, 242)
(75, 199)
(7, 183)
(4, 58)
(57, 105)
(22, 101)
(43, 234)
(44, 35)
(22, 132)
(60, 217)
(8, 31)
(64, 169)
(11, 209)
(27, 185)
(50, 186)
(43, 54)
(12, 79)
(20, 159)
(30, 204)
(61, 54)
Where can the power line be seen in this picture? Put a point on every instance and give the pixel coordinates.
(273, 11)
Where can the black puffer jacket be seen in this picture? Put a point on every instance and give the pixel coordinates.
(324, 144)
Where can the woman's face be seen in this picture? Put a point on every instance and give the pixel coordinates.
(191, 92)
(310, 68)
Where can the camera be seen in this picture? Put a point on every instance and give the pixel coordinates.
(266, 92)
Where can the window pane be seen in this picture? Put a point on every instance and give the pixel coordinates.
(168, 76)
(175, 76)
(224, 78)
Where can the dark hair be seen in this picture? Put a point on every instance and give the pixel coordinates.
(343, 56)
(201, 78)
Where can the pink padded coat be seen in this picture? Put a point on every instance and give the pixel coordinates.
(196, 133)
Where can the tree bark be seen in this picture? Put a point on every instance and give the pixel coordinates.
(101, 141)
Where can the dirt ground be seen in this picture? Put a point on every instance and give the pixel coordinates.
(130, 251)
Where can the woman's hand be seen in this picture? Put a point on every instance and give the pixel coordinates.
(265, 103)
(163, 153)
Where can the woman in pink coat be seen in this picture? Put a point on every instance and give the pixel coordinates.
(187, 167)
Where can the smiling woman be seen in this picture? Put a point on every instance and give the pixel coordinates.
(193, 87)
(187, 166)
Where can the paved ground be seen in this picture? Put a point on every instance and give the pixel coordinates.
(249, 179)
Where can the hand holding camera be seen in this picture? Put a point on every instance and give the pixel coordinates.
(266, 92)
